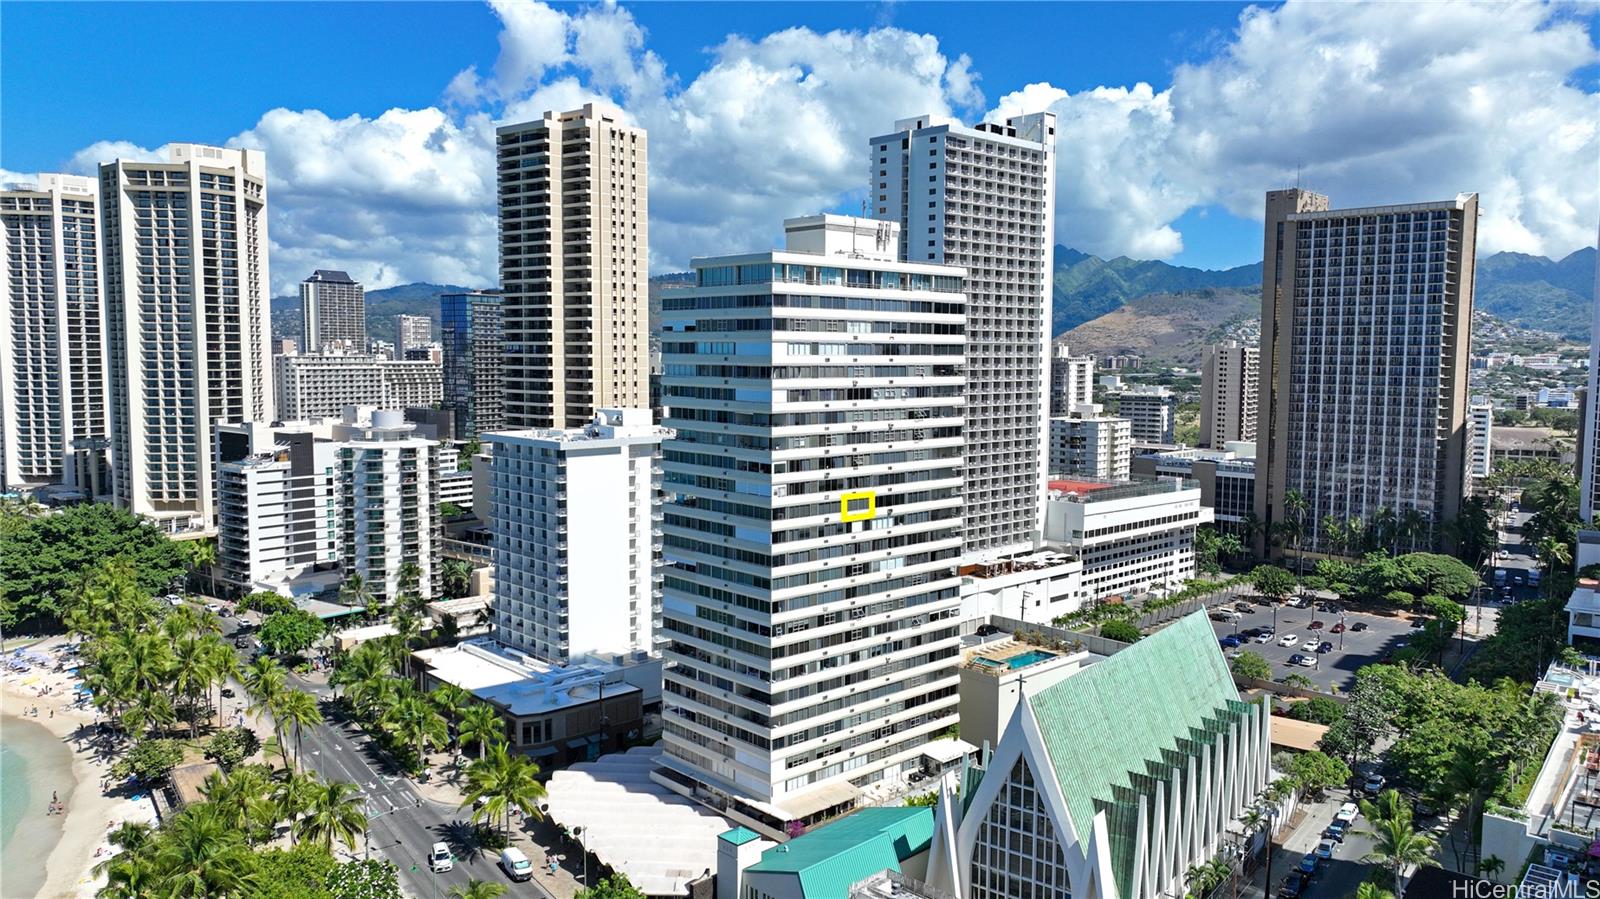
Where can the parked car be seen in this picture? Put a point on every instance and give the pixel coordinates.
(1310, 644)
(1335, 832)
(1307, 661)
(1296, 659)
(439, 859)
(1292, 885)
(1324, 850)
(1229, 642)
(1227, 615)
(1347, 813)
(1308, 864)
(1533, 577)
(213, 608)
(1424, 809)
(1315, 626)
(1243, 607)
(1359, 626)
(1373, 784)
(1263, 637)
(241, 642)
(1250, 633)
(227, 692)
(1517, 579)
(1337, 628)
(515, 864)
(1289, 640)
(1324, 646)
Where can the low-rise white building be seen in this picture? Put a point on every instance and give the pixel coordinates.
(995, 678)
(576, 535)
(1037, 588)
(1132, 537)
(1090, 444)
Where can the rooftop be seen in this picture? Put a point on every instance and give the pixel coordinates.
(1505, 438)
(1083, 491)
(517, 682)
(832, 858)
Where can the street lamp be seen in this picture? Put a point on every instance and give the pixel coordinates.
(583, 841)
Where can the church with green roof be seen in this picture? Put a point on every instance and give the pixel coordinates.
(1111, 783)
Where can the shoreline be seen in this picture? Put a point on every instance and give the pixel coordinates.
(49, 768)
(82, 844)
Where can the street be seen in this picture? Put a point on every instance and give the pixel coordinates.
(1334, 879)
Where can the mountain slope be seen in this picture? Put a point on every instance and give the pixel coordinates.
(1169, 328)
(1541, 293)
(1087, 287)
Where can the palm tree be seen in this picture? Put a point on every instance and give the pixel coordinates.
(1553, 552)
(1368, 890)
(293, 796)
(128, 876)
(222, 662)
(409, 577)
(367, 662)
(1333, 533)
(1356, 536)
(149, 712)
(202, 856)
(298, 708)
(1389, 806)
(1472, 775)
(1385, 527)
(451, 701)
(503, 781)
(191, 674)
(1249, 528)
(1295, 507)
(199, 554)
(333, 812)
(146, 659)
(1413, 526)
(266, 683)
(1491, 866)
(480, 724)
(416, 723)
(1203, 878)
(243, 799)
(1398, 846)
(355, 591)
(478, 889)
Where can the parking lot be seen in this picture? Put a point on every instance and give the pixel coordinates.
(1336, 668)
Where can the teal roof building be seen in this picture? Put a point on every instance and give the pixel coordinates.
(824, 863)
(1120, 777)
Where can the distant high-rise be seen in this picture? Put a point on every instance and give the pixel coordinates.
(474, 339)
(186, 288)
(1151, 410)
(1089, 444)
(575, 516)
(984, 198)
(1365, 331)
(312, 386)
(1480, 440)
(333, 310)
(1589, 464)
(812, 598)
(574, 248)
(1071, 380)
(1229, 374)
(411, 331)
(53, 424)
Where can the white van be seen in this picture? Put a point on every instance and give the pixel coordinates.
(515, 864)
(439, 859)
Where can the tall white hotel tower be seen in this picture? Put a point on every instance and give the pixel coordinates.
(186, 313)
(811, 596)
(52, 337)
(984, 198)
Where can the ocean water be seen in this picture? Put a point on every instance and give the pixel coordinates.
(33, 762)
(14, 789)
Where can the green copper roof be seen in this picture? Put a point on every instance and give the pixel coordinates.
(739, 836)
(1118, 726)
(831, 858)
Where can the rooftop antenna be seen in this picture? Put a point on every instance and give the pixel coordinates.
(1298, 165)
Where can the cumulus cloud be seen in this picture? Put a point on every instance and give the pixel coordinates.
(1369, 103)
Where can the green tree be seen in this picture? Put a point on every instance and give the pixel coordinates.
(1438, 574)
(480, 724)
(299, 872)
(266, 682)
(231, 746)
(371, 879)
(1368, 716)
(243, 797)
(456, 578)
(1318, 710)
(355, 592)
(1251, 664)
(333, 812)
(449, 510)
(1369, 890)
(293, 795)
(290, 633)
(267, 603)
(299, 710)
(1121, 631)
(1206, 552)
(149, 760)
(617, 886)
(477, 889)
(1398, 846)
(1270, 580)
(1316, 771)
(45, 557)
(503, 781)
(416, 724)
(201, 856)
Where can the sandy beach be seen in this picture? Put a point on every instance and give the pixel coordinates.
(78, 836)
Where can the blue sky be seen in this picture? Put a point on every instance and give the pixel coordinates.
(1174, 170)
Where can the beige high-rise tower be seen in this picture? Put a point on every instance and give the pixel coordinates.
(1366, 319)
(574, 253)
(1228, 393)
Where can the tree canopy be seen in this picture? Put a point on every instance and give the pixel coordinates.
(290, 632)
(1252, 664)
(1270, 580)
(43, 559)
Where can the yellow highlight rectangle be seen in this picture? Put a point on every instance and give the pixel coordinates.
(869, 511)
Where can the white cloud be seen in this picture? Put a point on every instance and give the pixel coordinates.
(1365, 102)
(1371, 103)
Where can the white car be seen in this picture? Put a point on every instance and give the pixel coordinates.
(1311, 644)
(439, 859)
(213, 608)
(1263, 638)
(1347, 812)
(1289, 639)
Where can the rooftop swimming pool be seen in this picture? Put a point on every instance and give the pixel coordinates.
(1020, 660)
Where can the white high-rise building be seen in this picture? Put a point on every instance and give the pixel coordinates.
(411, 331)
(1150, 409)
(1480, 438)
(1071, 380)
(984, 198)
(812, 598)
(1090, 444)
(277, 507)
(1228, 390)
(333, 312)
(186, 289)
(389, 486)
(577, 538)
(574, 265)
(53, 422)
(320, 385)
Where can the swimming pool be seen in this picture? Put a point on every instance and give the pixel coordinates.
(1020, 660)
